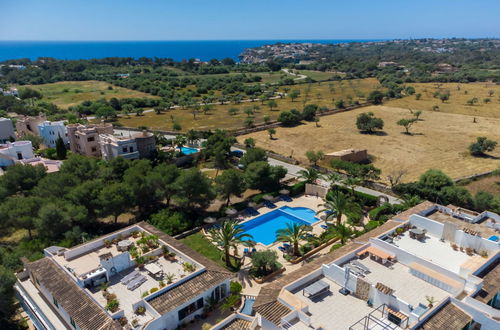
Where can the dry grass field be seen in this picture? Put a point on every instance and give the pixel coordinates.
(459, 95)
(322, 94)
(440, 140)
(489, 184)
(68, 93)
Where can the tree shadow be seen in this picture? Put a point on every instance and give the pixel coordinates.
(375, 133)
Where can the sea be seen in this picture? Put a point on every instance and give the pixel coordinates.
(177, 50)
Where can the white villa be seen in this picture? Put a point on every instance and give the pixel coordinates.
(64, 289)
(413, 272)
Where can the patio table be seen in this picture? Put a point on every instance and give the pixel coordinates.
(153, 268)
(417, 232)
(316, 288)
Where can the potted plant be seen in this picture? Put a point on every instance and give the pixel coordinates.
(140, 261)
(170, 278)
(135, 323)
(430, 301)
(112, 305)
(161, 284)
(107, 243)
(140, 310)
(135, 234)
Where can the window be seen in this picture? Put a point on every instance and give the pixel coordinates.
(55, 302)
(94, 149)
(190, 309)
(124, 149)
(19, 155)
(131, 149)
(90, 139)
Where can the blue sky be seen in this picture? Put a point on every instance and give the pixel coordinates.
(251, 19)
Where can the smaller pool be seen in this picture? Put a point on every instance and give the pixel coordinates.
(188, 150)
(248, 306)
(494, 238)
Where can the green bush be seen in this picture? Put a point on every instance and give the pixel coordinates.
(363, 171)
(362, 198)
(235, 287)
(297, 189)
(378, 212)
(170, 222)
(335, 247)
(372, 224)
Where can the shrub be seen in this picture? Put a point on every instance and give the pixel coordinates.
(335, 246)
(297, 189)
(378, 212)
(363, 171)
(153, 290)
(140, 310)
(235, 287)
(309, 112)
(171, 222)
(367, 122)
(112, 305)
(372, 224)
(290, 118)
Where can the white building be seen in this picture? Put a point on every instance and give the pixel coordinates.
(50, 132)
(6, 130)
(13, 152)
(425, 268)
(62, 290)
(113, 146)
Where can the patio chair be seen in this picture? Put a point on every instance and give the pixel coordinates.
(282, 249)
(269, 204)
(324, 227)
(285, 198)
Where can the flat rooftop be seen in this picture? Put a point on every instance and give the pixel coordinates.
(407, 287)
(433, 250)
(332, 310)
(481, 227)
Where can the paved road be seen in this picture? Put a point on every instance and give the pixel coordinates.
(294, 169)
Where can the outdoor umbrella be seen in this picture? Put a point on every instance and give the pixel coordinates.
(231, 211)
(210, 220)
(284, 191)
(252, 204)
(268, 197)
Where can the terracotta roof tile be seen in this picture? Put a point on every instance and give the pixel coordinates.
(86, 313)
(447, 317)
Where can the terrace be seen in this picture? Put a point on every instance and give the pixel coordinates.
(131, 267)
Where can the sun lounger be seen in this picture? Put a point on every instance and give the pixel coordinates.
(285, 198)
(324, 226)
(136, 283)
(270, 205)
(315, 289)
(129, 277)
(282, 249)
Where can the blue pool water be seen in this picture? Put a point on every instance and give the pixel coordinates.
(188, 151)
(263, 228)
(247, 307)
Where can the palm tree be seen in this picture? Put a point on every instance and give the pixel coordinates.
(351, 182)
(343, 232)
(293, 233)
(229, 235)
(338, 204)
(332, 178)
(309, 175)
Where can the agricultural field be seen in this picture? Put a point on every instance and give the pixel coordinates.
(490, 184)
(69, 93)
(323, 94)
(316, 75)
(439, 140)
(460, 94)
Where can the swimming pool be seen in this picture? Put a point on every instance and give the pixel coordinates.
(188, 151)
(248, 307)
(263, 228)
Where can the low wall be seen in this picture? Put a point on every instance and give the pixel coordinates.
(477, 243)
(314, 251)
(268, 277)
(433, 227)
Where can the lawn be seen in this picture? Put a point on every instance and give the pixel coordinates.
(200, 244)
(440, 140)
(68, 93)
(322, 94)
(459, 95)
(316, 75)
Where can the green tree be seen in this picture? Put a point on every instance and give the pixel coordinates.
(309, 112)
(343, 232)
(248, 111)
(267, 119)
(337, 204)
(294, 94)
(314, 156)
(444, 97)
(265, 262)
(249, 142)
(20, 212)
(407, 123)
(170, 222)
(87, 195)
(115, 199)
(193, 189)
(230, 182)
(435, 179)
(376, 97)
(35, 140)
(56, 218)
(60, 148)
(271, 132)
(264, 177)
(293, 233)
(228, 236)
(481, 146)
(367, 122)
(272, 104)
(232, 111)
(21, 179)
(253, 155)
(163, 181)
(309, 175)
